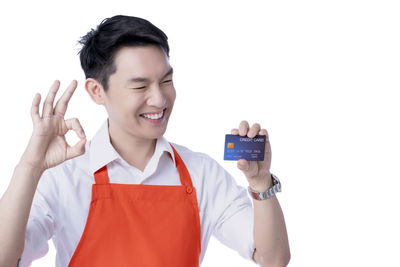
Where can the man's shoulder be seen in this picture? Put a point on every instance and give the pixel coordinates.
(196, 160)
(189, 154)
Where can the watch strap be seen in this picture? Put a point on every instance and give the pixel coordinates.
(275, 188)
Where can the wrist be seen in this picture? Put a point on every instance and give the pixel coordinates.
(263, 185)
(29, 168)
(260, 193)
(34, 163)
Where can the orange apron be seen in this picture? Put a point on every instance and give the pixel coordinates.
(140, 225)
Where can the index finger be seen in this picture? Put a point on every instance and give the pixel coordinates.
(62, 103)
(47, 109)
(243, 127)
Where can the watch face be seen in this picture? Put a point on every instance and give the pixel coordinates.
(274, 179)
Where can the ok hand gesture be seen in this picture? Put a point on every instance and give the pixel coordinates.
(47, 146)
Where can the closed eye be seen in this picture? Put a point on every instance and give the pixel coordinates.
(145, 86)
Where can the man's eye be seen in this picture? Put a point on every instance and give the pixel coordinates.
(145, 86)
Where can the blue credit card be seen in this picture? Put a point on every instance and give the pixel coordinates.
(242, 147)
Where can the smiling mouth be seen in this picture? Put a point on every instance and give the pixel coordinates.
(154, 116)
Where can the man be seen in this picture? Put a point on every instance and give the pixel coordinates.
(128, 197)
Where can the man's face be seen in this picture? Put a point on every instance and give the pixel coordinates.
(142, 85)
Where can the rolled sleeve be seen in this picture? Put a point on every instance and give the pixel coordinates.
(40, 226)
(233, 214)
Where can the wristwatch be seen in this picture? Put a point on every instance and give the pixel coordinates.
(276, 187)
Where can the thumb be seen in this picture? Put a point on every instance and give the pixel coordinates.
(243, 165)
(77, 150)
(249, 168)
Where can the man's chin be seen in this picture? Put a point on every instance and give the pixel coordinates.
(155, 134)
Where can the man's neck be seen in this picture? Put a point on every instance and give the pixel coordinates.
(136, 152)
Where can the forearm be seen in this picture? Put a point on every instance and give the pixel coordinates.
(15, 206)
(270, 235)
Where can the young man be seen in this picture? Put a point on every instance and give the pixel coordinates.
(128, 197)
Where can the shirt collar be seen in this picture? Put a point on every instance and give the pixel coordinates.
(102, 152)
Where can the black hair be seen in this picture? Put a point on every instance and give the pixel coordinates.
(99, 46)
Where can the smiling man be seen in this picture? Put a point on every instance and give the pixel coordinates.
(129, 197)
(139, 99)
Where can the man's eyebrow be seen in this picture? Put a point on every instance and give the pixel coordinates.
(144, 80)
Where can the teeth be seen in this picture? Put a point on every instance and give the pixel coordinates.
(155, 116)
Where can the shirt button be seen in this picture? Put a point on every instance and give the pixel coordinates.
(189, 189)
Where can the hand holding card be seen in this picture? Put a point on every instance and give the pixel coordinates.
(255, 167)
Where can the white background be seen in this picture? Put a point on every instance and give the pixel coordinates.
(321, 76)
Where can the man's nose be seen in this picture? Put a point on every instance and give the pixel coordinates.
(156, 97)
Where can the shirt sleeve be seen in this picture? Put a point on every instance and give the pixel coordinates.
(40, 225)
(233, 213)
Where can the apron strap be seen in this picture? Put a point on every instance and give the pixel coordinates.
(101, 176)
(183, 172)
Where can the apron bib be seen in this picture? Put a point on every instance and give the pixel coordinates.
(131, 225)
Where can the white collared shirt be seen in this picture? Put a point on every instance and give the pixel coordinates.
(62, 199)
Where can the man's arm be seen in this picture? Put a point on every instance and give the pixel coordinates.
(15, 206)
(47, 148)
(270, 235)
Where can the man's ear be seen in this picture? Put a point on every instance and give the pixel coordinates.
(95, 91)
